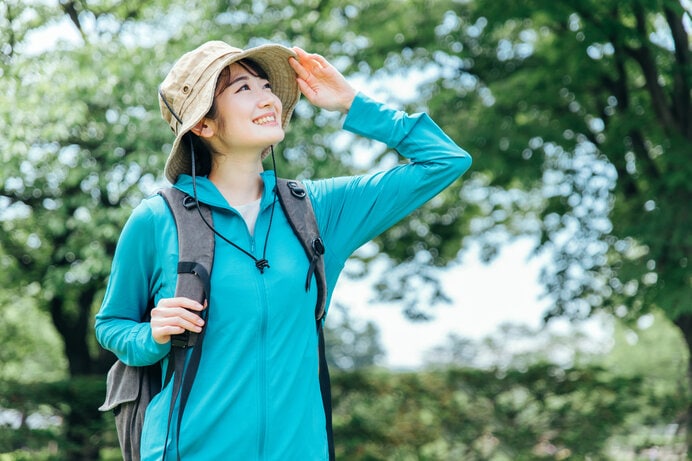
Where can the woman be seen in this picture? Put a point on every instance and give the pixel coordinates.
(256, 394)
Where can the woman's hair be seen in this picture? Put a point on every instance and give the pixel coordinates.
(203, 160)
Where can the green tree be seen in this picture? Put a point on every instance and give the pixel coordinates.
(577, 113)
(82, 150)
(542, 412)
(653, 350)
(349, 345)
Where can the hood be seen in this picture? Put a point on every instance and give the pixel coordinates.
(208, 194)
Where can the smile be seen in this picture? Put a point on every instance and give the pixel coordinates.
(264, 120)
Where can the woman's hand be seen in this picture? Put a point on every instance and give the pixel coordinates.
(321, 83)
(173, 316)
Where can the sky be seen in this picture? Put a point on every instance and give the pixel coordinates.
(484, 296)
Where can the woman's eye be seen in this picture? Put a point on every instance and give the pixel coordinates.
(268, 86)
(243, 87)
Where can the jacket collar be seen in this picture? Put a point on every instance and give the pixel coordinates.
(208, 194)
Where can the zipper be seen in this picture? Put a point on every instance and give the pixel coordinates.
(262, 353)
(263, 370)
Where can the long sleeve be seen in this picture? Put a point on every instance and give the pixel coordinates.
(353, 210)
(119, 326)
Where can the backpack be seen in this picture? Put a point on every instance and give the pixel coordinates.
(130, 389)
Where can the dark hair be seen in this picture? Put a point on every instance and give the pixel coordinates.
(202, 155)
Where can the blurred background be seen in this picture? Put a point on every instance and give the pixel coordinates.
(540, 308)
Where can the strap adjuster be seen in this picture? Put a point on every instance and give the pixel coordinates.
(296, 190)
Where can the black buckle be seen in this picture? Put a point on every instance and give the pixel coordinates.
(181, 340)
(318, 246)
(296, 190)
(189, 202)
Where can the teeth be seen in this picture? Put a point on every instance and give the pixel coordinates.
(263, 120)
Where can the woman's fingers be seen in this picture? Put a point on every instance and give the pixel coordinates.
(320, 82)
(173, 316)
(297, 64)
(186, 303)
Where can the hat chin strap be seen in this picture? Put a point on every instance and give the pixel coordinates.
(260, 264)
(170, 109)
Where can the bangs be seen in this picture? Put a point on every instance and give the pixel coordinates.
(249, 65)
(224, 80)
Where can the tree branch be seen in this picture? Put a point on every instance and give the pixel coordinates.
(681, 72)
(642, 55)
(70, 10)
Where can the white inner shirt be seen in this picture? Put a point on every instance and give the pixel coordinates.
(249, 212)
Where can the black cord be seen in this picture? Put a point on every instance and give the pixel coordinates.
(260, 264)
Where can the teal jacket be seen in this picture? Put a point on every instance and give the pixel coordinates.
(256, 395)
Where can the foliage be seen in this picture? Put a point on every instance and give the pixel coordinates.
(43, 411)
(349, 345)
(32, 350)
(653, 349)
(578, 115)
(542, 412)
(78, 158)
(584, 105)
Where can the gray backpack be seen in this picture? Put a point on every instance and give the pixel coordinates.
(130, 389)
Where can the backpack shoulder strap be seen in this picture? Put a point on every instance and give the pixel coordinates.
(301, 216)
(195, 244)
(195, 260)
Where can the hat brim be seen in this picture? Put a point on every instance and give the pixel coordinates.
(272, 58)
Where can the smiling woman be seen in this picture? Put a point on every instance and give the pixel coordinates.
(257, 392)
(243, 118)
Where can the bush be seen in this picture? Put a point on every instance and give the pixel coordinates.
(542, 412)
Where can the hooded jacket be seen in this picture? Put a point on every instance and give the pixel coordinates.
(256, 395)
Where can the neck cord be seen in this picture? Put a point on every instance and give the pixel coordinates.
(260, 264)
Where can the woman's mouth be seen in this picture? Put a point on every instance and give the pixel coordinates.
(264, 120)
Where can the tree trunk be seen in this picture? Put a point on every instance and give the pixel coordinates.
(83, 418)
(73, 328)
(684, 322)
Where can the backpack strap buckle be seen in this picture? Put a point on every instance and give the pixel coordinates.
(296, 189)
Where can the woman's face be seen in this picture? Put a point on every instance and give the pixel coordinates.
(247, 113)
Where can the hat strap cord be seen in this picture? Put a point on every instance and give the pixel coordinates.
(165, 101)
(260, 264)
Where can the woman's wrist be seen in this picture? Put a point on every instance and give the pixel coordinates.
(348, 101)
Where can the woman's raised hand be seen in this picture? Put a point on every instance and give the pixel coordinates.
(173, 316)
(321, 83)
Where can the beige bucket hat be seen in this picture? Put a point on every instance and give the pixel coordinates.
(187, 92)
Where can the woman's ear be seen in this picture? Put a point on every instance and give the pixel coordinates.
(202, 129)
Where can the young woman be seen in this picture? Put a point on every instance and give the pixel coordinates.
(256, 395)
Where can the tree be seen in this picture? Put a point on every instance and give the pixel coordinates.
(577, 113)
(77, 158)
(542, 412)
(350, 346)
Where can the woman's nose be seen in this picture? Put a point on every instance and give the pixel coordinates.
(269, 99)
(265, 100)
